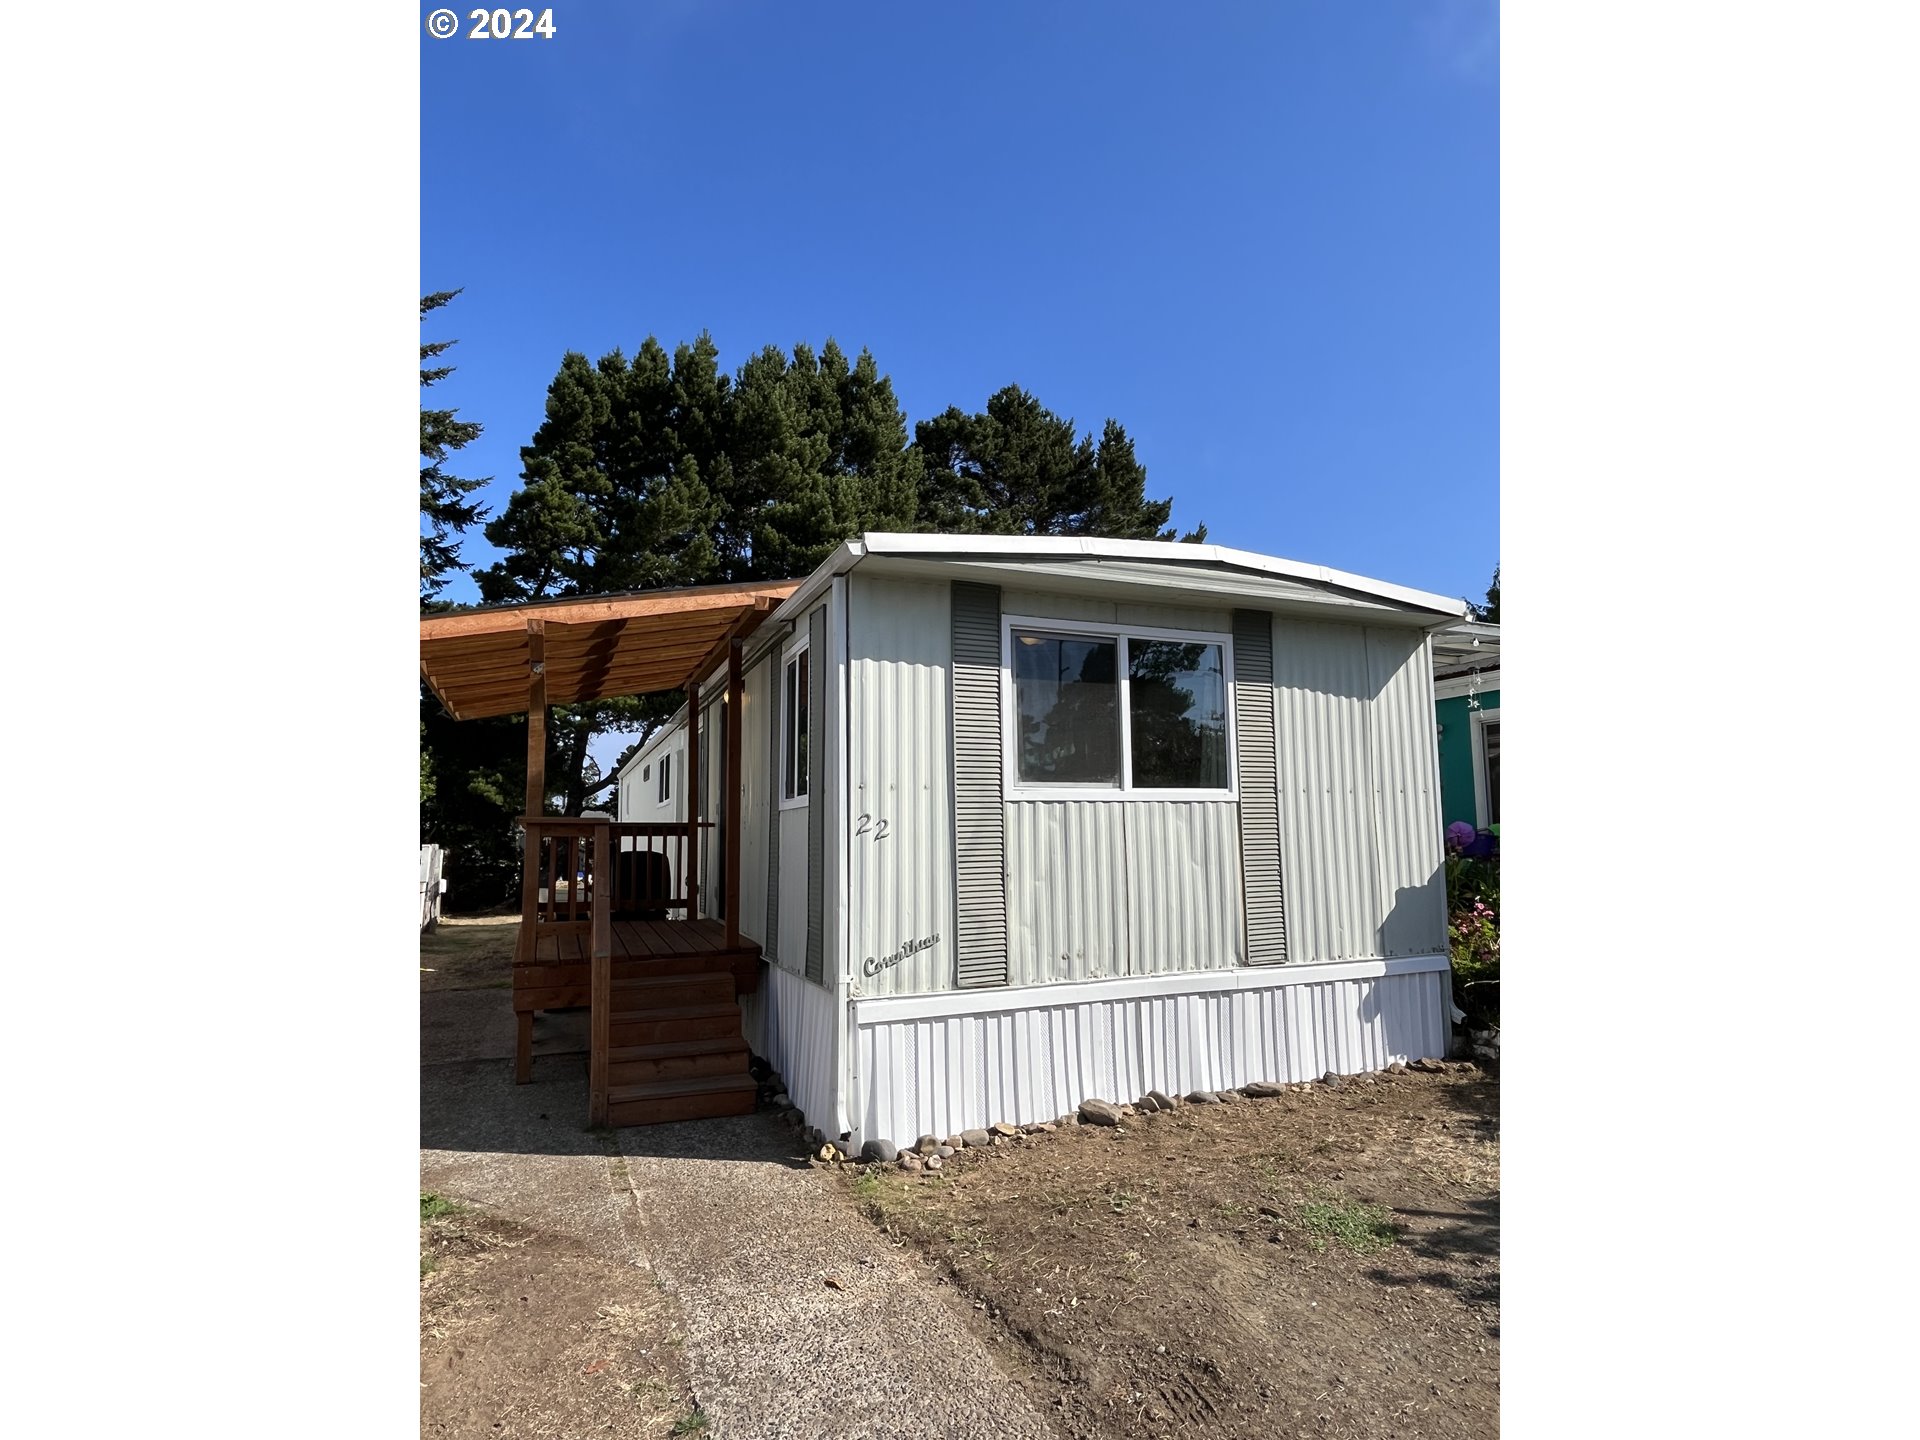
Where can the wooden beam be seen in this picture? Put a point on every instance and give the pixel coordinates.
(536, 717)
(730, 813)
(600, 1008)
(508, 620)
(748, 622)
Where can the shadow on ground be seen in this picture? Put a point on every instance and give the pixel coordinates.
(469, 1103)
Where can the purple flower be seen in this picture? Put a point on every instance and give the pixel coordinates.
(1460, 835)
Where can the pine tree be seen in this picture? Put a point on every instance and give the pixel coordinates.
(1018, 469)
(445, 510)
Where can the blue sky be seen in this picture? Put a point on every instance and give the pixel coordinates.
(1264, 237)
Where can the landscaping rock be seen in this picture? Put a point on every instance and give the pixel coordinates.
(1004, 1130)
(933, 1162)
(1332, 1081)
(885, 1151)
(911, 1161)
(1202, 1097)
(1162, 1099)
(1100, 1112)
(945, 1152)
(975, 1137)
(1266, 1089)
(955, 1142)
(1045, 1127)
(825, 1154)
(1226, 1097)
(927, 1144)
(1427, 1065)
(1398, 1067)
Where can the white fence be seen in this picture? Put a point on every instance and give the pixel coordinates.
(433, 884)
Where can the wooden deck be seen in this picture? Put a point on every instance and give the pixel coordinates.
(565, 943)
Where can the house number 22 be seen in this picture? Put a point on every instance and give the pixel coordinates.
(867, 822)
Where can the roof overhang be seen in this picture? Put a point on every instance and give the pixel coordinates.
(1088, 563)
(479, 662)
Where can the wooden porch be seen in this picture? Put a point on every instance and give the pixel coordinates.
(613, 915)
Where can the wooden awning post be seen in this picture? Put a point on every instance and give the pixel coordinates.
(730, 809)
(523, 945)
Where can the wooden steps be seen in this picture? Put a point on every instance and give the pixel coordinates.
(690, 1099)
(675, 1051)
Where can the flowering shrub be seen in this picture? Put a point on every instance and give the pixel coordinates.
(1473, 922)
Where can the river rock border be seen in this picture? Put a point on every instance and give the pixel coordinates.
(930, 1153)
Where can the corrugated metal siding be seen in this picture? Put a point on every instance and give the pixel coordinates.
(1182, 883)
(901, 880)
(1406, 787)
(1066, 889)
(939, 1076)
(1098, 888)
(1360, 836)
(790, 1022)
(981, 939)
(756, 911)
(1265, 912)
(818, 731)
(1328, 848)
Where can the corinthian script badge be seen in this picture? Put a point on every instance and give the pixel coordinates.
(873, 965)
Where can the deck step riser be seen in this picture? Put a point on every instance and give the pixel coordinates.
(672, 995)
(641, 1031)
(677, 1067)
(664, 1109)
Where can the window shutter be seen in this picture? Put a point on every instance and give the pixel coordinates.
(817, 771)
(1253, 721)
(776, 724)
(979, 815)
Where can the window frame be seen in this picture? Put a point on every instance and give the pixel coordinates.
(790, 656)
(1120, 633)
(1482, 800)
(663, 782)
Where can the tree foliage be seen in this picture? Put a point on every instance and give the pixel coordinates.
(1019, 469)
(445, 509)
(1490, 611)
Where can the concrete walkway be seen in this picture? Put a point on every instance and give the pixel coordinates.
(738, 1230)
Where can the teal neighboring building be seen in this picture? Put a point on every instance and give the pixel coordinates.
(1466, 703)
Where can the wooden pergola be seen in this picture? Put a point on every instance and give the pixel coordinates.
(590, 896)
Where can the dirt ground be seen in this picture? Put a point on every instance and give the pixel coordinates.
(523, 1333)
(1324, 1263)
(469, 954)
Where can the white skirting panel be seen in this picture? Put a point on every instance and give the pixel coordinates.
(1037, 1053)
(789, 1021)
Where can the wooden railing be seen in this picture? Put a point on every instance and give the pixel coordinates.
(584, 874)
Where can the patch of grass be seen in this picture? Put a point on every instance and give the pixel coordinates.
(692, 1423)
(868, 1185)
(433, 1206)
(1363, 1229)
(428, 1264)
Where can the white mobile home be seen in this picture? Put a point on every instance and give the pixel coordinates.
(652, 784)
(964, 829)
(1026, 821)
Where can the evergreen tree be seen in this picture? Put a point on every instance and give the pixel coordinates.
(445, 510)
(1490, 611)
(1018, 469)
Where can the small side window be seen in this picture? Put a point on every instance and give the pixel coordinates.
(793, 733)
